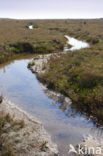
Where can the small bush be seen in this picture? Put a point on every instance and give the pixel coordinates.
(89, 81)
(93, 40)
(22, 47)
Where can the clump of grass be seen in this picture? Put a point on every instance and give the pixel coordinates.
(32, 63)
(43, 146)
(5, 148)
(7, 124)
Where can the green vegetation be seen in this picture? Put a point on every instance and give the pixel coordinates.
(31, 64)
(43, 146)
(7, 125)
(46, 37)
(79, 74)
(17, 38)
(40, 48)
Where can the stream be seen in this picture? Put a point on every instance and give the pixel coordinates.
(76, 44)
(19, 85)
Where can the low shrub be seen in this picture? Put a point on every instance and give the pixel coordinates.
(77, 76)
(22, 47)
(93, 40)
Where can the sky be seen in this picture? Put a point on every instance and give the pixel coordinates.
(51, 9)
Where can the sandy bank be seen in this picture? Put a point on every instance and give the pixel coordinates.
(32, 139)
(89, 143)
(38, 66)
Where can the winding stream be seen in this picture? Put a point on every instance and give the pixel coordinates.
(21, 87)
(76, 44)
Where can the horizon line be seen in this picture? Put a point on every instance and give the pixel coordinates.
(50, 18)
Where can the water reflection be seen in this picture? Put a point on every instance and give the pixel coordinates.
(76, 44)
(65, 124)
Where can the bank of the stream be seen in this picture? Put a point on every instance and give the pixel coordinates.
(41, 66)
(22, 134)
(72, 121)
(63, 123)
(75, 76)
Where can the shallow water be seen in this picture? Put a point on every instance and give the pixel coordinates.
(76, 44)
(31, 27)
(20, 86)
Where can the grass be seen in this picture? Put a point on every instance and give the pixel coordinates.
(7, 125)
(32, 63)
(43, 146)
(5, 148)
(79, 74)
(17, 38)
(46, 37)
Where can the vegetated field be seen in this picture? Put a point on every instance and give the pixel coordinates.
(15, 37)
(79, 74)
(46, 37)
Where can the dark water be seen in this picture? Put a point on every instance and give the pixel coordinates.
(20, 86)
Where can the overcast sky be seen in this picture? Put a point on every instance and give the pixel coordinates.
(25, 9)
